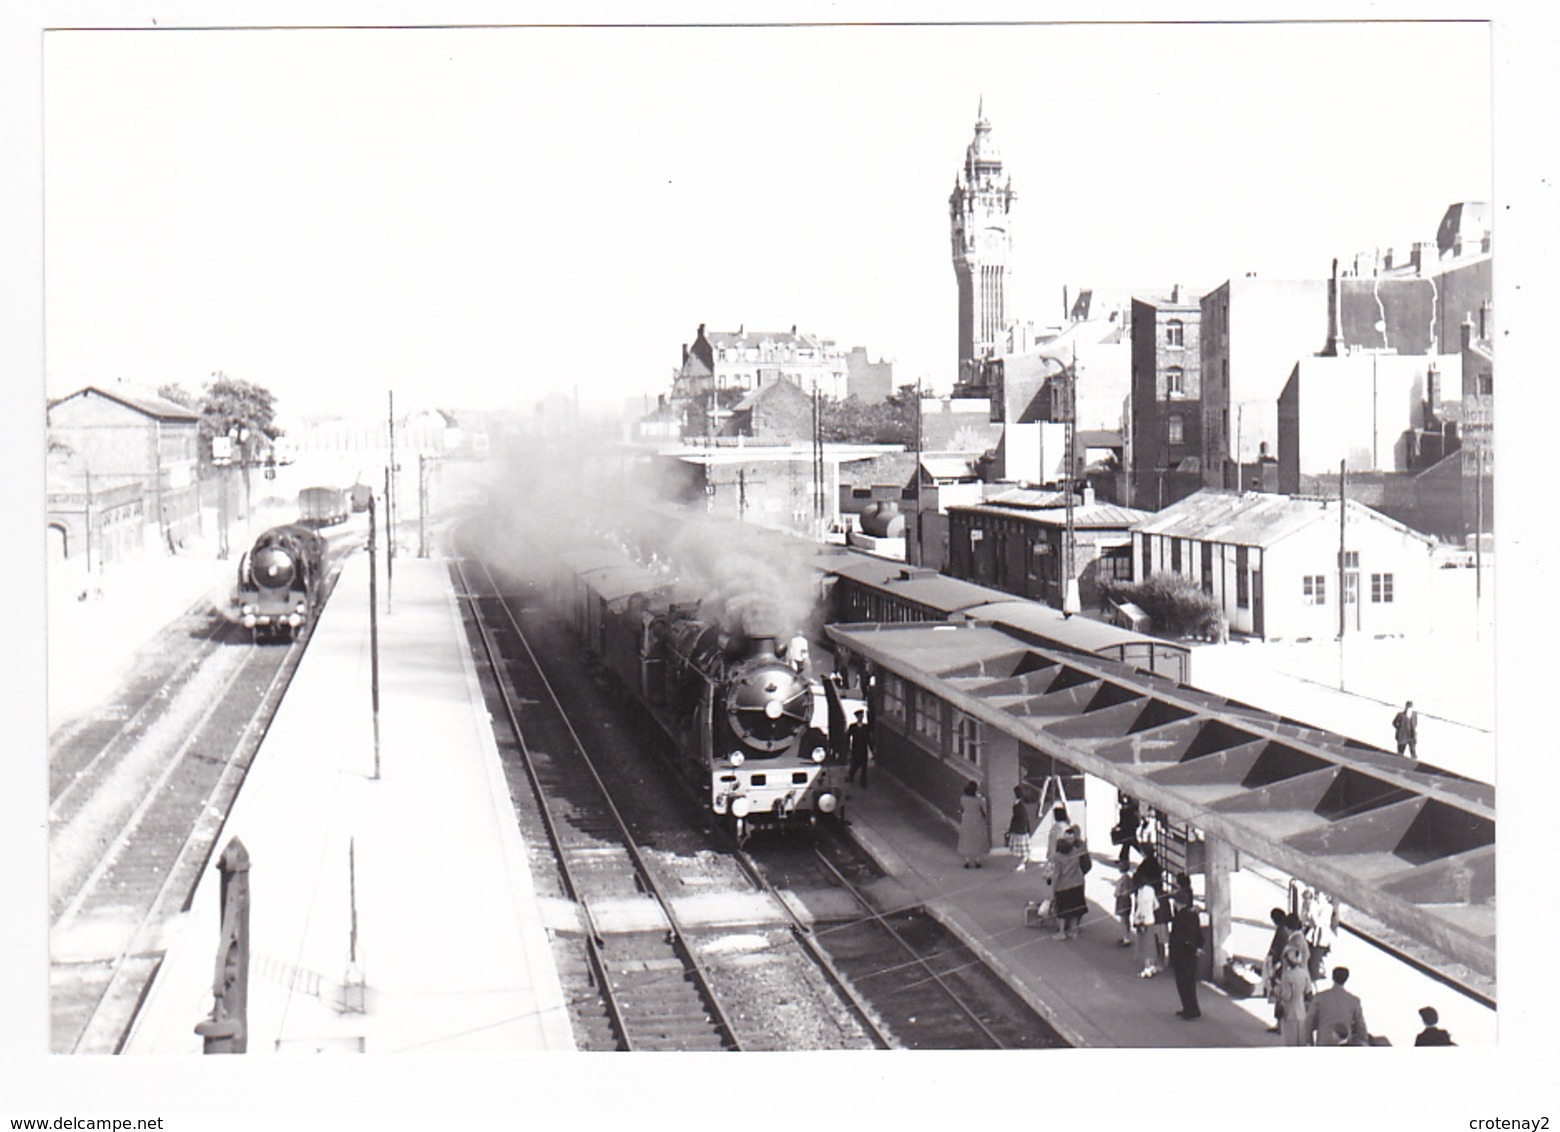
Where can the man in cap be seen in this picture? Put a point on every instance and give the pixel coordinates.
(1186, 940)
(860, 749)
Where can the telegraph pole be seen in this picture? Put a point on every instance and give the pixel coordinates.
(373, 627)
(1343, 604)
(1070, 597)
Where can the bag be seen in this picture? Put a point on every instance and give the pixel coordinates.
(1037, 913)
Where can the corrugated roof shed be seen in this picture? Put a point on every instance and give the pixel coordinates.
(1253, 519)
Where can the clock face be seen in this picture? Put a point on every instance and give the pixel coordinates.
(992, 239)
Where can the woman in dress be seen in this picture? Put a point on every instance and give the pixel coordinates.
(1067, 882)
(1294, 993)
(1019, 827)
(974, 830)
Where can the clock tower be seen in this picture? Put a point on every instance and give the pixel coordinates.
(978, 214)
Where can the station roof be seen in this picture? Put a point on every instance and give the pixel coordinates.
(1090, 635)
(1408, 845)
(1102, 516)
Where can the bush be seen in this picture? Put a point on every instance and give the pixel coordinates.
(1176, 604)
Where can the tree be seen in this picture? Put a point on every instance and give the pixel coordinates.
(892, 421)
(231, 402)
(179, 395)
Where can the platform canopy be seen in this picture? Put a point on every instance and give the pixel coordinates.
(1410, 846)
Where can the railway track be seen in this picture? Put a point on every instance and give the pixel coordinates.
(137, 803)
(654, 991)
(799, 967)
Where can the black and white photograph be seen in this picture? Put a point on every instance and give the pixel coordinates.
(855, 535)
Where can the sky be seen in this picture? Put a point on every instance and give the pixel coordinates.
(475, 216)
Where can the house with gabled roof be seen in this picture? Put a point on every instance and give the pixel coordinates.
(1275, 567)
(109, 436)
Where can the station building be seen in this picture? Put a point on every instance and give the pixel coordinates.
(1271, 563)
(1015, 539)
(120, 458)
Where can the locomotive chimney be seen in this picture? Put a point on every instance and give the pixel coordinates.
(763, 646)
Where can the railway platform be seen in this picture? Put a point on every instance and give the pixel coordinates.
(1088, 987)
(387, 914)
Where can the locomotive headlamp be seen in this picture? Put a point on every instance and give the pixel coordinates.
(819, 754)
(737, 758)
(773, 709)
(827, 803)
(741, 806)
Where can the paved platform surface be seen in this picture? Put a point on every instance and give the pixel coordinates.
(1088, 987)
(449, 944)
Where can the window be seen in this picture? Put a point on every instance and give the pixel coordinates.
(1315, 589)
(1351, 588)
(1207, 568)
(1175, 382)
(1148, 557)
(1118, 564)
(1176, 429)
(1242, 578)
(928, 716)
(1380, 588)
(1351, 560)
(893, 696)
(1175, 333)
(1175, 556)
(966, 738)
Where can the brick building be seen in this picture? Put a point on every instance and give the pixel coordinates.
(106, 437)
(1164, 432)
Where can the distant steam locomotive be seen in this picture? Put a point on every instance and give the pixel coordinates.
(279, 582)
(754, 733)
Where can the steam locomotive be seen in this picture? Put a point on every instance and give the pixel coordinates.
(763, 742)
(279, 581)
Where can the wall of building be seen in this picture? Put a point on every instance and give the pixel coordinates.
(1356, 408)
(1255, 331)
(112, 441)
(1382, 548)
(1155, 406)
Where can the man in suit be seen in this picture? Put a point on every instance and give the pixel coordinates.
(1405, 725)
(1335, 1017)
(1186, 940)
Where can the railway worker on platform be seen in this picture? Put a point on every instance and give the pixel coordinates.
(860, 738)
(1405, 725)
(1186, 941)
(974, 828)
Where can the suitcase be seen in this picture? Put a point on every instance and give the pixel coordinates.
(1037, 914)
